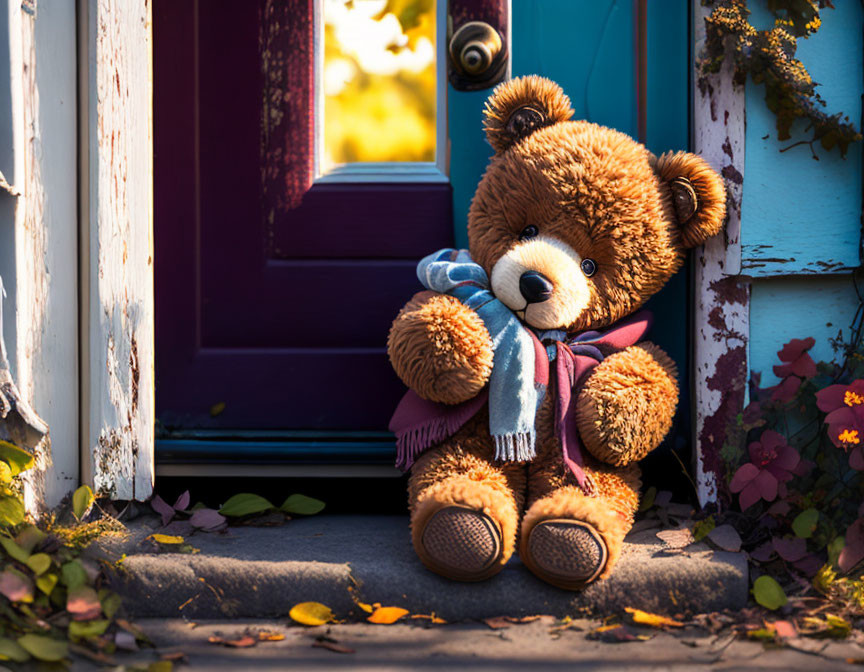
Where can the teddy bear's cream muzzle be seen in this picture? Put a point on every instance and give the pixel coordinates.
(556, 262)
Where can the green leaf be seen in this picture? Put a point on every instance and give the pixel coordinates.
(10, 650)
(88, 628)
(82, 500)
(39, 563)
(834, 549)
(703, 528)
(648, 499)
(47, 582)
(44, 648)
(805, 523)
(245, 504)
(768, 593)
(13, 550)
(11, 511)
(30, 537)
(73, 574)
(15, 586)
(110, 602)
(303, 505)
(18, 459)
(5, 476)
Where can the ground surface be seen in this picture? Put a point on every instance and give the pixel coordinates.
(261, 572)
(471, 646)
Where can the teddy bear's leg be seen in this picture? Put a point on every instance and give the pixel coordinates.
(465, 508)
(570, 539)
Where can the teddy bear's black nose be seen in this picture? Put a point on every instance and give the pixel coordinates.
(535, 287)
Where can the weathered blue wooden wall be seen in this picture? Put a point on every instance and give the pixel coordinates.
(801, 218)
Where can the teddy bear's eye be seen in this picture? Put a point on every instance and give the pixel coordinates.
(589, 267)
(529, 231)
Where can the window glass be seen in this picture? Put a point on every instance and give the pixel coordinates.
(378, 81)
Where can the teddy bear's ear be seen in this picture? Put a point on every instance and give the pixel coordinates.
(521, 106)
(697, 194)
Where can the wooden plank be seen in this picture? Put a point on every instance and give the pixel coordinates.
(117, 329)
(802, 216)
(40, 264)
(721, 313)
(824, 308)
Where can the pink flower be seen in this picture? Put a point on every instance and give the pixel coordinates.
(797, 361)
(844, 405)
(797, 365)
(771, 465)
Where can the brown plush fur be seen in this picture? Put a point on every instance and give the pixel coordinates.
(440, 348)
(591, 192)
(641, 379)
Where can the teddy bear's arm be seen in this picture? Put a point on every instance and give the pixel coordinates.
(625, 408)
(440, 348)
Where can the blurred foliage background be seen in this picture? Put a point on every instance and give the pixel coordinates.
(379, 81)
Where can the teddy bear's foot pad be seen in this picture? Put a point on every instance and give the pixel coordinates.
(461, 543)
(566, 553)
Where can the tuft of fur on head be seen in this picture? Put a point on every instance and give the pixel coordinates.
(520, 106)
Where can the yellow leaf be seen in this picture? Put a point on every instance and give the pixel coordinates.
(654, 620)
(428, 617)
(387, 615)
(365, 607)
(607, 628)
(311, 613)
(166, 539)
(267, 636)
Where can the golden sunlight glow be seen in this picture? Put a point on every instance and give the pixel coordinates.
(379, 81)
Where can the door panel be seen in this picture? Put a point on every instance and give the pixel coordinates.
(275, 294)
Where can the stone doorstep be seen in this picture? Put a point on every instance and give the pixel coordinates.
(262, 572)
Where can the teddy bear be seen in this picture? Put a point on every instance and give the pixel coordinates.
(533, 392)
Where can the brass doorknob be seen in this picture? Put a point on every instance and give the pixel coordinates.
(477, 56)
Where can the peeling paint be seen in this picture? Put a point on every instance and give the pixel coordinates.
(121, 274)
(722, 302)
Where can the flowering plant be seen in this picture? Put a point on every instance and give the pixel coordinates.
(795, 465)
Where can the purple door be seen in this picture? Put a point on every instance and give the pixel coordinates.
(274, 295)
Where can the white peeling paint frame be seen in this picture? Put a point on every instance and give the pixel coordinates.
(721, 311)
(117, 332)
(39, 232)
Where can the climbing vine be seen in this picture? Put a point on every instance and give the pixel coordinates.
(768, 56)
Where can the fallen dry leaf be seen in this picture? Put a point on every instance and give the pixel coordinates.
(166, 539)
(654, 620)
(243, 642)
(332, 645)
(498, 622)
(726, 538)
(174, 656)
(368, 608)
(432, 618)
(268, 636)
(785, 629)
(311, 613)
(676, 538)
(615, 634)
(387, 615)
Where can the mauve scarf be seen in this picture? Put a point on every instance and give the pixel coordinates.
(420, 424)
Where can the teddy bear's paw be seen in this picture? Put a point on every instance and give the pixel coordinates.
(625, 408)
(569, 554)
(461, 543)
(440, 348)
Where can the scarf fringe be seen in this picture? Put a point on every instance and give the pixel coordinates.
(415, 440)
(517, 447)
